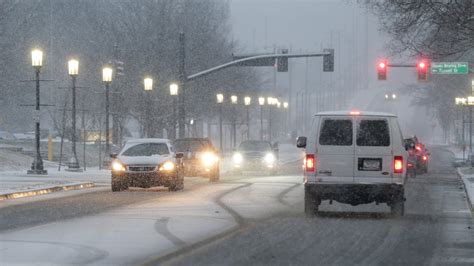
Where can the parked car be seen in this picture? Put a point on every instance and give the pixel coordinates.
(201, 158)
(354, 158)
(256, 155)
(147, 163)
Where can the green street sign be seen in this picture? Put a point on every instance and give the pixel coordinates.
(449, 68)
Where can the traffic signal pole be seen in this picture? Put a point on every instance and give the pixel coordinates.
(328, 66)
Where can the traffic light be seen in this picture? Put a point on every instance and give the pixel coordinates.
(328, 60)
(422, 69)
(282, 62)
(382, 66)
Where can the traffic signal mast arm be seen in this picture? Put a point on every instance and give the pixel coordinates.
(236, 62)
(400, 65)
(421, 66)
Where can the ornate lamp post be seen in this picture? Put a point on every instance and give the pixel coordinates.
(148, 87)
(37, 165)
(285, 106)
(234, 100)
(174, 93)
(270, 102)
(247, 101)
(220, 102)
(73, 70)
(107, 79)
(261, 102)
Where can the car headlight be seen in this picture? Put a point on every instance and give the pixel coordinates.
(118, 166)
(269, 158)
(237, 158)
(209, 158)
(167, 166)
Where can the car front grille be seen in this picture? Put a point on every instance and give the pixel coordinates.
(254, 155)
(141, 168)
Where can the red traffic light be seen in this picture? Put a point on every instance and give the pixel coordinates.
(422, 69)
(382, 70)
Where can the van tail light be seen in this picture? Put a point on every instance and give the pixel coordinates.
(310, 163)
(398, 164)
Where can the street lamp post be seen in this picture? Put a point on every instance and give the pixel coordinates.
(285, 107)
(261, 102)
(174, 93)
(73, 70)
(234, 101)
(220, 102)
(462, 102)
(148, 87)
(107, 79)
(470, 103)
(270, 101)
(247, 101)
(37, 165)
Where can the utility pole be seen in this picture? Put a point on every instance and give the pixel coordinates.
(182, 80)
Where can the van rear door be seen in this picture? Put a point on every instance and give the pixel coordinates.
(335, 150)
(373, 150)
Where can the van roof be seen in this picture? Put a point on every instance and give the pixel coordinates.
(350, 113)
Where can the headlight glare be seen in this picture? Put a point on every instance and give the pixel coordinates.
(117, 166)
(237, 158)
(167, 166)
(209, 158)
(269, 158)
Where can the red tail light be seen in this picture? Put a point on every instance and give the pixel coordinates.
(425, 158)
(418, 147)
(310, 163)
(398, 164)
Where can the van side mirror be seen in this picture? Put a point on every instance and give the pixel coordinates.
(113, 155)
(301, 142)
(179, 155)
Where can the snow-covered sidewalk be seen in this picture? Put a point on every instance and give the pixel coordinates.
(467, 176)
(17, 184)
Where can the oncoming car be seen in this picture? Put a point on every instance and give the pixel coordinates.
(255, 155)
(200, 158)
(146, 163)
(354, 158)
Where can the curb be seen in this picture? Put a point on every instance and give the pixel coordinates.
(46, 190)
(465, 189)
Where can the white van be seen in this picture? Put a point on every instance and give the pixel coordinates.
(355, 158)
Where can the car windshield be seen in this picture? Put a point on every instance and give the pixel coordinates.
(146, 149)
(255, 146)
(191, 145)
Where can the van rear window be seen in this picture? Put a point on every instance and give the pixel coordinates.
(336, 132)
(373, 133)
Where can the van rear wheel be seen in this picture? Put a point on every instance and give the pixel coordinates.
(311, 204)
(397, 208)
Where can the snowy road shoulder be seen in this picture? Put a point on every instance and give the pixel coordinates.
(467, 176)
(42, 189)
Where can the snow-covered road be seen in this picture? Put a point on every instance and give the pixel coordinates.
(241, 220)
